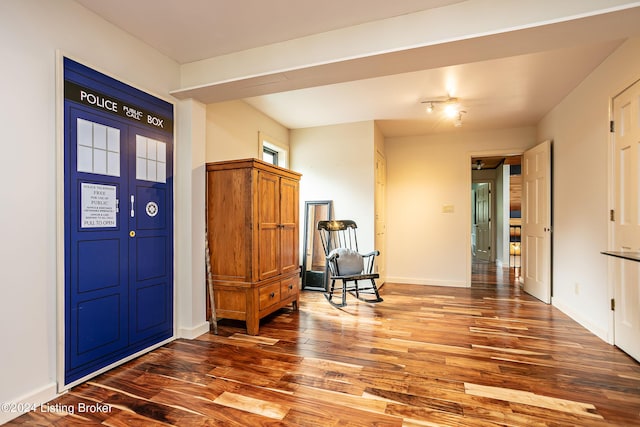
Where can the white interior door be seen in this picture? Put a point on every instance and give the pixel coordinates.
(536, 221)
(626, 227)
(483, 222)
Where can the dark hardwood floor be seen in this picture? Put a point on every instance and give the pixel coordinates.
(488, 355)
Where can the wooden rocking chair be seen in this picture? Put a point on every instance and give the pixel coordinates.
(340, 244)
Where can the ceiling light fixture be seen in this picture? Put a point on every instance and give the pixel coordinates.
(439, 101)
(446, 101)
(450, 106)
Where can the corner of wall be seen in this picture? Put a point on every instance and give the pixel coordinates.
(190, 218)
(29, 402)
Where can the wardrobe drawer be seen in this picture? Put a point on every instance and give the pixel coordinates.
(269, 295)
(288, 287)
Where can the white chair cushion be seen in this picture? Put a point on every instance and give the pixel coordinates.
(349, 261)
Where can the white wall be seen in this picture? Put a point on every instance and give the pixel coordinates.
(425, 173)
(337, 163)
(579, 128)
(30, 33)
(232, 131)
(190, 219)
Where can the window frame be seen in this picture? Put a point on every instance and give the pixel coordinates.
(278, 150)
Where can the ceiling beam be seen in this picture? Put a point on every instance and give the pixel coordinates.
(430, 39)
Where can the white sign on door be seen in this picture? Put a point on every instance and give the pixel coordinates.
(99, 206)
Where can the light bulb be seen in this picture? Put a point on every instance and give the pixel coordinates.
(451, 110)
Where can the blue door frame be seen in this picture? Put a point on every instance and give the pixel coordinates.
(118, 221)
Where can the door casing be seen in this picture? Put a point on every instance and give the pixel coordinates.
(471, 155)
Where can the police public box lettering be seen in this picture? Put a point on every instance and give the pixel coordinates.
(109, 104)
(118, 222)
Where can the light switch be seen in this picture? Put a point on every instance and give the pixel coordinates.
(447, 209)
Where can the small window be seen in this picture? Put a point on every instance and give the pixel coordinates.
(272, 151)
(269, 155)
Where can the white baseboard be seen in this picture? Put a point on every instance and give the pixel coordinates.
(600, 333)
(194, 332)
(23, 404)
(427, 282)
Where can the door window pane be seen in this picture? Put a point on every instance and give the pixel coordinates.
(151, 155)
(98, 148)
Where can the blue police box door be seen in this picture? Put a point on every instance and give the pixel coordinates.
(118, 210)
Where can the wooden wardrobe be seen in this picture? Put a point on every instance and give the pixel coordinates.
(252, 227)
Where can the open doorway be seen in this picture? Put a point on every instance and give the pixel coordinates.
(496, 193)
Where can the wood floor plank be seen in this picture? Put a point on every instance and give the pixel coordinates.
(489, 355)
(254, 406)
(362, 402)
(532, 399)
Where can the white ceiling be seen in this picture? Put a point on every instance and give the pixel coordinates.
(191, 30)
(507, 92)
(502, 81)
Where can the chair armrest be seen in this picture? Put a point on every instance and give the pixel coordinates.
(372, 253)
(369, 261)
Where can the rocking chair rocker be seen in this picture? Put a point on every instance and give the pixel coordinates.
(340, 245)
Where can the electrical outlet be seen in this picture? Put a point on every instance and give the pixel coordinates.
(576, 288)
